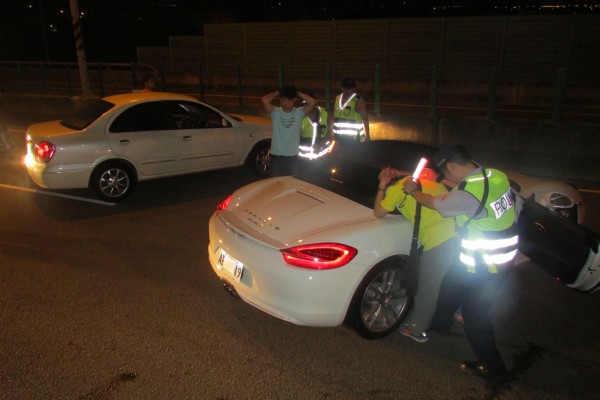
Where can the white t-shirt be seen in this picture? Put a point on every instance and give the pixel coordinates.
(286, 131)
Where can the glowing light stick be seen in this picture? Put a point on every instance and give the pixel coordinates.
(419, 169)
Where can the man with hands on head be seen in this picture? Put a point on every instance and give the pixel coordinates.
(287, 122)
(436, 241)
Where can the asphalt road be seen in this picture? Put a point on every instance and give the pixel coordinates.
(102, 302)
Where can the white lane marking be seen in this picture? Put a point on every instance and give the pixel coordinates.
(66, 196)
(589, 191)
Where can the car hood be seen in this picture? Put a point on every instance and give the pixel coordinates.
(283, 211)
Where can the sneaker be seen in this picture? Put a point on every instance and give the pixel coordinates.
(481, 370)
(422, 338)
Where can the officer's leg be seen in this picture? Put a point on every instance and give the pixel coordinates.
(478, 326)
(450, 298)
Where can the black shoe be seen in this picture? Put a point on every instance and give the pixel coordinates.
(481, 369)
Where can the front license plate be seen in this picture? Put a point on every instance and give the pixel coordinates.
(230, 264)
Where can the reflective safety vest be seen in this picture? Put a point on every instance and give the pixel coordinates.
(491, 240)
(347, 121)
(313, 129)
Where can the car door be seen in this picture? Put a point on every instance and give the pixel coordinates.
(207, 139)
(566, 250)
(143, 135)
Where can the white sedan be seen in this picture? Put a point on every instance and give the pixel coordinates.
(309, 250)
(111, 143)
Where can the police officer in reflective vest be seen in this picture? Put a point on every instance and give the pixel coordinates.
(350, 118)
(314, 126)
(484, 211)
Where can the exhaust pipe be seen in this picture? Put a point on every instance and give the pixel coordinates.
(230, 289)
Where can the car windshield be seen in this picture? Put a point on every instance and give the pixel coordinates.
(353, 171)
(85, 115)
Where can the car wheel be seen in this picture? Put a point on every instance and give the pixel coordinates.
(259, 161)
(112, 181)
(380, 303)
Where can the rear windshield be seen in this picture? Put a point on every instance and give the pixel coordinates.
(85, 115)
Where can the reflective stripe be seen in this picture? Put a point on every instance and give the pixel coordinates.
(499, 258)
(489, 244)
(489, 259)
(342, 106)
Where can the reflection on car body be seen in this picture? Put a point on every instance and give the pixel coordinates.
(329, 261)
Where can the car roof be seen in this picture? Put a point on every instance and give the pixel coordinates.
(119, 99)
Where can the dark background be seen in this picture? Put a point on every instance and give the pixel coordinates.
(41, 30)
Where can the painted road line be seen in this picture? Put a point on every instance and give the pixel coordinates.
(66, 196)
(594, 191)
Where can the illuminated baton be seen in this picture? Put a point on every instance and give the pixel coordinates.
(419, 168)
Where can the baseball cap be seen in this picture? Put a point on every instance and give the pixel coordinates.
(348, 83)
(446, 154)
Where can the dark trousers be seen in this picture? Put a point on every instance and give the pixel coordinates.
(474, 293)
(284, 165)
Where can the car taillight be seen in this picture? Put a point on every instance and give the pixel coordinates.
(319, 255)
(44, 151)
(223, 205)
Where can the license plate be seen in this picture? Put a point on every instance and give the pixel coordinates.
(228, 263)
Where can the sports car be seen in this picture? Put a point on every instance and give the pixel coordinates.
(308, 249)
(114, 142)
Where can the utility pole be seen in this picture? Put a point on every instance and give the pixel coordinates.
(83, 71)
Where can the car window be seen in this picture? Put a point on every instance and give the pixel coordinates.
(190, 115)
(87, 114)
(147, 116)
(353, 171)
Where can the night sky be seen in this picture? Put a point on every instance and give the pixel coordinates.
(41, 30)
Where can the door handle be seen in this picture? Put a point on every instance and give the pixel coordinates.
(186, 138)
(123, 142)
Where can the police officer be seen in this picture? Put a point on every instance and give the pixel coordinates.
(484, 211)
(314, 126)
(350, 118)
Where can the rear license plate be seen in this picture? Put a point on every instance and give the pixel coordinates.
(228, 263)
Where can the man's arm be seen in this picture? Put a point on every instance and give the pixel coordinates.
(267, 99)
(310, 102)
(385, 177)
(411, 188)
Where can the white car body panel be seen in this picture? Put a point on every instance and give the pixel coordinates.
(153, 153)
(269, 215)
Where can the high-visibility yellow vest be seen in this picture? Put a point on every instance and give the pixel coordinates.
(347, 120)
(315, 129)
(493, 239)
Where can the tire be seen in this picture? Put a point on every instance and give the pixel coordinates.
(112, 181)
(380, 303)
(258, 161)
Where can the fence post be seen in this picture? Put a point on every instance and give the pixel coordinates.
(559, 99)
(99, 66)
(201, 81)
(377, 90)
(133, 82)
(327, 87)
(280, 74)
(492, 98)
(69, 84)
(433, 92)
(239, 83)
(163, 76)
